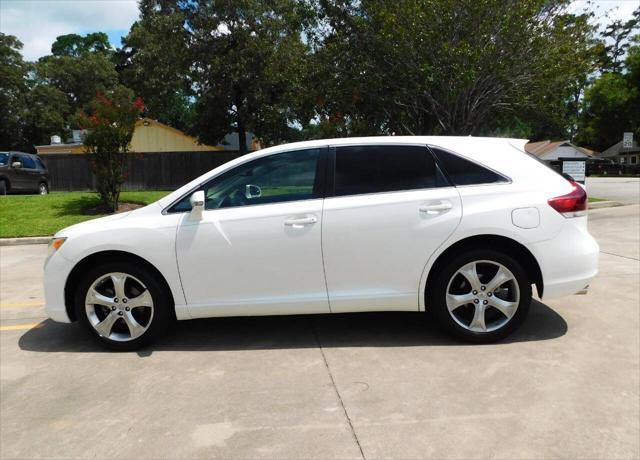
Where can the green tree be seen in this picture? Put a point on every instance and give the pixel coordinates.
(616, 42)
(248, 67)
(155, 63)
(76, 45)
(448, 66)
(64, 82)
(13, 92)
(611, 104)
(110, 122)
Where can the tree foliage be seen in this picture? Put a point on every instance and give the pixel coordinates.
(447, 66)
(13, 93)
(297, 69)
(611, 104)
(248, 61)
(154, 61)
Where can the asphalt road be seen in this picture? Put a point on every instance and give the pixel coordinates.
(344, 386)
(623, 189)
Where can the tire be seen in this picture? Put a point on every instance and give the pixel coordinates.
(500, 308)
(43, 188)
(3, 187)
(129, 323)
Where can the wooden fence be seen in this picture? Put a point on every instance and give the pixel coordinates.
(145, 171)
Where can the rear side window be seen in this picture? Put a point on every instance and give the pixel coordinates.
(465, 172)
(384, 168)
(40, 163)
(27, 162)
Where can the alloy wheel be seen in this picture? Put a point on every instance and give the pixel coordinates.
(43, 190)
(482, 296)
(119, 307)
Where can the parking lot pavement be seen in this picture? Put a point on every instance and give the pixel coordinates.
(623, 189)
(348, 386)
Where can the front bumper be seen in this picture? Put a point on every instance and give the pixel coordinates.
(56, 272)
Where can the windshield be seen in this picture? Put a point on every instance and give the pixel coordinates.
(4, 159)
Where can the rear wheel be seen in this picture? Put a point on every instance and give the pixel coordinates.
(124, 307)
(43, 189)
(481, 295)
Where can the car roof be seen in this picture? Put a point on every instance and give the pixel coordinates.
(449, 142)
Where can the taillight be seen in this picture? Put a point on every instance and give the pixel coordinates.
(573, 204)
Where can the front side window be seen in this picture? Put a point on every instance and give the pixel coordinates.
(290, 176)
(465, 172)
(362, 169)
(4, 159)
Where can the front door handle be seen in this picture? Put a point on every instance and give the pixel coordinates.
(439, 207)
(299, 222)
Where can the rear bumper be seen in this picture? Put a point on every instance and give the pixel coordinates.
(568, 262)
(56, 272)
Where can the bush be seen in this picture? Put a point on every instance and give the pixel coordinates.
(110, 123)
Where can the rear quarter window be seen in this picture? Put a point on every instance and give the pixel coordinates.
(465, 172)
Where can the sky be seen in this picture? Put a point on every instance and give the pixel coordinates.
(38, 22)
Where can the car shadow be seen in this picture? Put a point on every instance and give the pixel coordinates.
(387, 329)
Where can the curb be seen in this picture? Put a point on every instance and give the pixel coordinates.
(604, 204)
(28, 240)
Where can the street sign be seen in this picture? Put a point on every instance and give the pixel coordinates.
(627, 140)
(575, 169)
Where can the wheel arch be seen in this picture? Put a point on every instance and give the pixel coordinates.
(103, 257)
(495, 242)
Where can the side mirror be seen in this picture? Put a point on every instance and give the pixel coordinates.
(16, 164)
(252, 191)
(197, 202)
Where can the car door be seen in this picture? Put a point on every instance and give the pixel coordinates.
(256, 248)
(391, 209)
(18, 176)
(30, 173)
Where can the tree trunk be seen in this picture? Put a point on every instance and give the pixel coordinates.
(242, 137)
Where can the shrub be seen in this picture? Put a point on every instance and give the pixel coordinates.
(110, 122)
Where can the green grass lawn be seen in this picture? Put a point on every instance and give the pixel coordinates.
(35, 215)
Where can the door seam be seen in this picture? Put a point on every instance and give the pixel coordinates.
(324, 270)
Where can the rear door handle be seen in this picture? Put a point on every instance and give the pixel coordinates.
(299, 222)
(439, 207)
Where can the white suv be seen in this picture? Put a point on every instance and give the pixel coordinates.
(461, 226)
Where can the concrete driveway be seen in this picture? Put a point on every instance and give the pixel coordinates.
(343, 386)
(623, 189)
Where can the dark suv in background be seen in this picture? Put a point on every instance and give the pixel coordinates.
(22, 172)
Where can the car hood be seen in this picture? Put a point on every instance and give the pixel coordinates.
(104, 223)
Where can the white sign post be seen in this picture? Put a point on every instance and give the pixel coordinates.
(575, 169)
(627, 140)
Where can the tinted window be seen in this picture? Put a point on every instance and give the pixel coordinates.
(4, 158)
(465, 172)
(40, 163)
(383, 168)
(27, 162)
(277, 178)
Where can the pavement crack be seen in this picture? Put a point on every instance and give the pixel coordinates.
(335, 388)
(618, 255)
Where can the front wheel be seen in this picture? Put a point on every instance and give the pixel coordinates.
(123, 306)
(481, 295)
